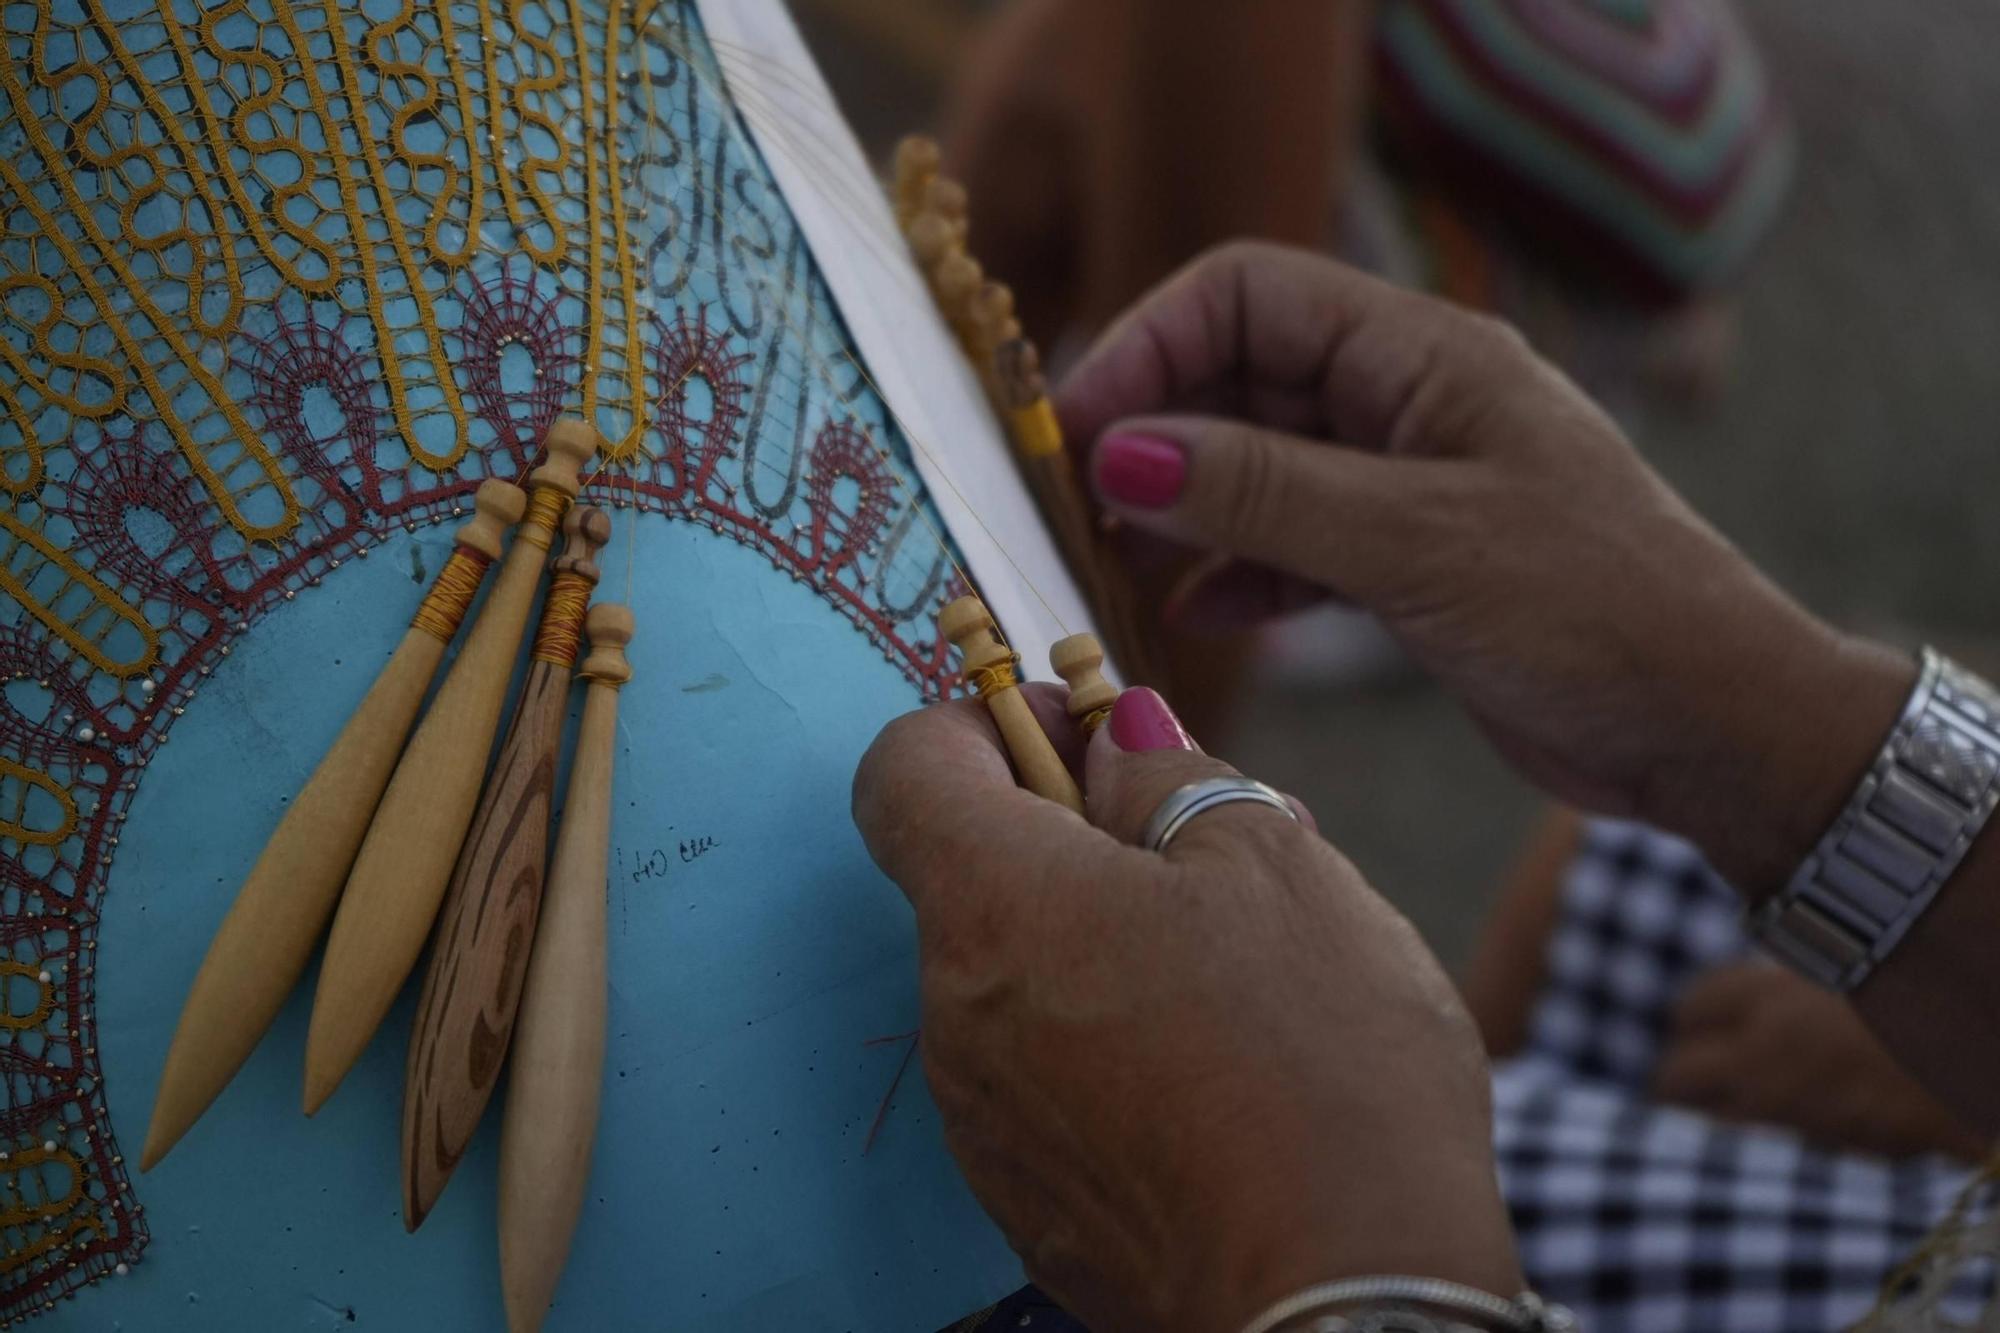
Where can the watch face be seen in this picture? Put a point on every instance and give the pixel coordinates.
(282, 283)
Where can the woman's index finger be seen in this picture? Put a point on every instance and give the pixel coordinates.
(1251, 319)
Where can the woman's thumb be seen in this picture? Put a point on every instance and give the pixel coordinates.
(1346, 519)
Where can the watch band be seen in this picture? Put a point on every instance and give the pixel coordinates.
(1900, 837)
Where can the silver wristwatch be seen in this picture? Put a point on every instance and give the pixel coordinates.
(1900, 837)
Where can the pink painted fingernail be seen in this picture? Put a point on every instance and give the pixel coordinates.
(1141, 470)
(1141, 720)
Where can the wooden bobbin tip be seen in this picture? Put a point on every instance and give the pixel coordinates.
(1018, 367)
(946, 198)
(1079, 660)
(917, 155)
(970, 628)
(571, 442)
(958, 277)
(497, 506)
(586, 529)
(931, 239)
(609, 628)
(993, 304)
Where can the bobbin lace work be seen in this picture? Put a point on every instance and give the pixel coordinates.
(277, 276)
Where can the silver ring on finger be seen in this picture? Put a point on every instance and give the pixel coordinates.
(1184, 803)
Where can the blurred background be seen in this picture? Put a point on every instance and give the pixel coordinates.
(1763, 235)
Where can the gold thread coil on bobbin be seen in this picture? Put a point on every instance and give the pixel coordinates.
(1094, 719)
(560, 635)
(1001, 675)
(444, 606)
(1037, 434)
(546, 507)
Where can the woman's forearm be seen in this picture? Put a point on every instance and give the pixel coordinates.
(1800, 745)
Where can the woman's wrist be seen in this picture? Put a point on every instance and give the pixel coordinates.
(1413, 1303)
(1461, 1248)
(1785, 754)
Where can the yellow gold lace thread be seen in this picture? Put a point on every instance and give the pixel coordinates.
(560, 636)
(1001, 675)
(444, 606)
(546, 507)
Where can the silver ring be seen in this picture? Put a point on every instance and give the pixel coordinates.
(1184, 803)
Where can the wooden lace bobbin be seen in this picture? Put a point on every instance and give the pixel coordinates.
(957, 280)
(932, 209)
(932, 242)
(991, 668)
(1058, 486)
(916, 165)
(994, 326)
(264, 943)
(946, 198)
(1024, 397)
(558, 1058)
(1052, 474)
(400, 874)
(1079, 660)
(465, 1014)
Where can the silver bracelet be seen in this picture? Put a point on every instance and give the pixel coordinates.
(1392, 1294)
(1900, 837)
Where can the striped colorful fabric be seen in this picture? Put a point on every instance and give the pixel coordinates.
(1642, 135)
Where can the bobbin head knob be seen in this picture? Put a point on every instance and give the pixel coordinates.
(609, 627)
(970, 628)
(992, 313)
(946, 198)
(571, 442)
(586, 529)
(917, 156)
(931, 239)
(1079, 660)
(958, 278)
(1018, 367)
(496, 506)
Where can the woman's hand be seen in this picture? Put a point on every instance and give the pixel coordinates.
(1183, 1085)
(1755, 1043)
(1337, 435)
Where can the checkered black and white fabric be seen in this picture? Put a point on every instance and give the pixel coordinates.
(1649, 1219)
(1644, 1218)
